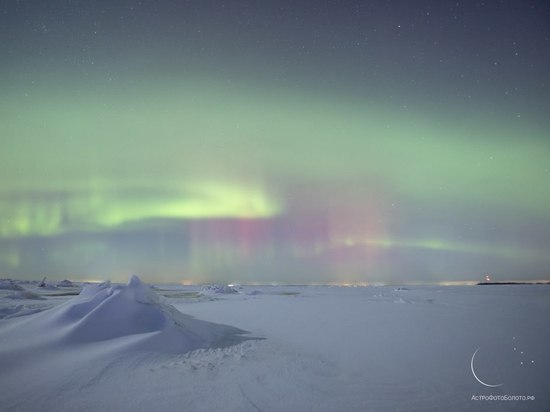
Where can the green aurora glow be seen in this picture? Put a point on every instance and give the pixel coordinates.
(259, 179)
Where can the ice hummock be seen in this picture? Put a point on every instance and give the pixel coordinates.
(24, 295)
(219, 289)
(8, 284)
(65, 283)
(131, 317)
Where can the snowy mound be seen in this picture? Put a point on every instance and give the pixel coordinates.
(65, 284)
(126, 317)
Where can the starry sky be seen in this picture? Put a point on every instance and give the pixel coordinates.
(289, 142)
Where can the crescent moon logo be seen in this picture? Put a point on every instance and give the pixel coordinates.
(474, 373)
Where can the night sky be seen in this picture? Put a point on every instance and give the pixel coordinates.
(285, 141)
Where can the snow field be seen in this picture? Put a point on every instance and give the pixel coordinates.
(309, 348)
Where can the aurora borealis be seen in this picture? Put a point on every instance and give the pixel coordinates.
(316, 142)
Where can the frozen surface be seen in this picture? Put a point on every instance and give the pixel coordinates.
(324, 348)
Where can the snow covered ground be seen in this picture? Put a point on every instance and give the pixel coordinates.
(245, 348)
